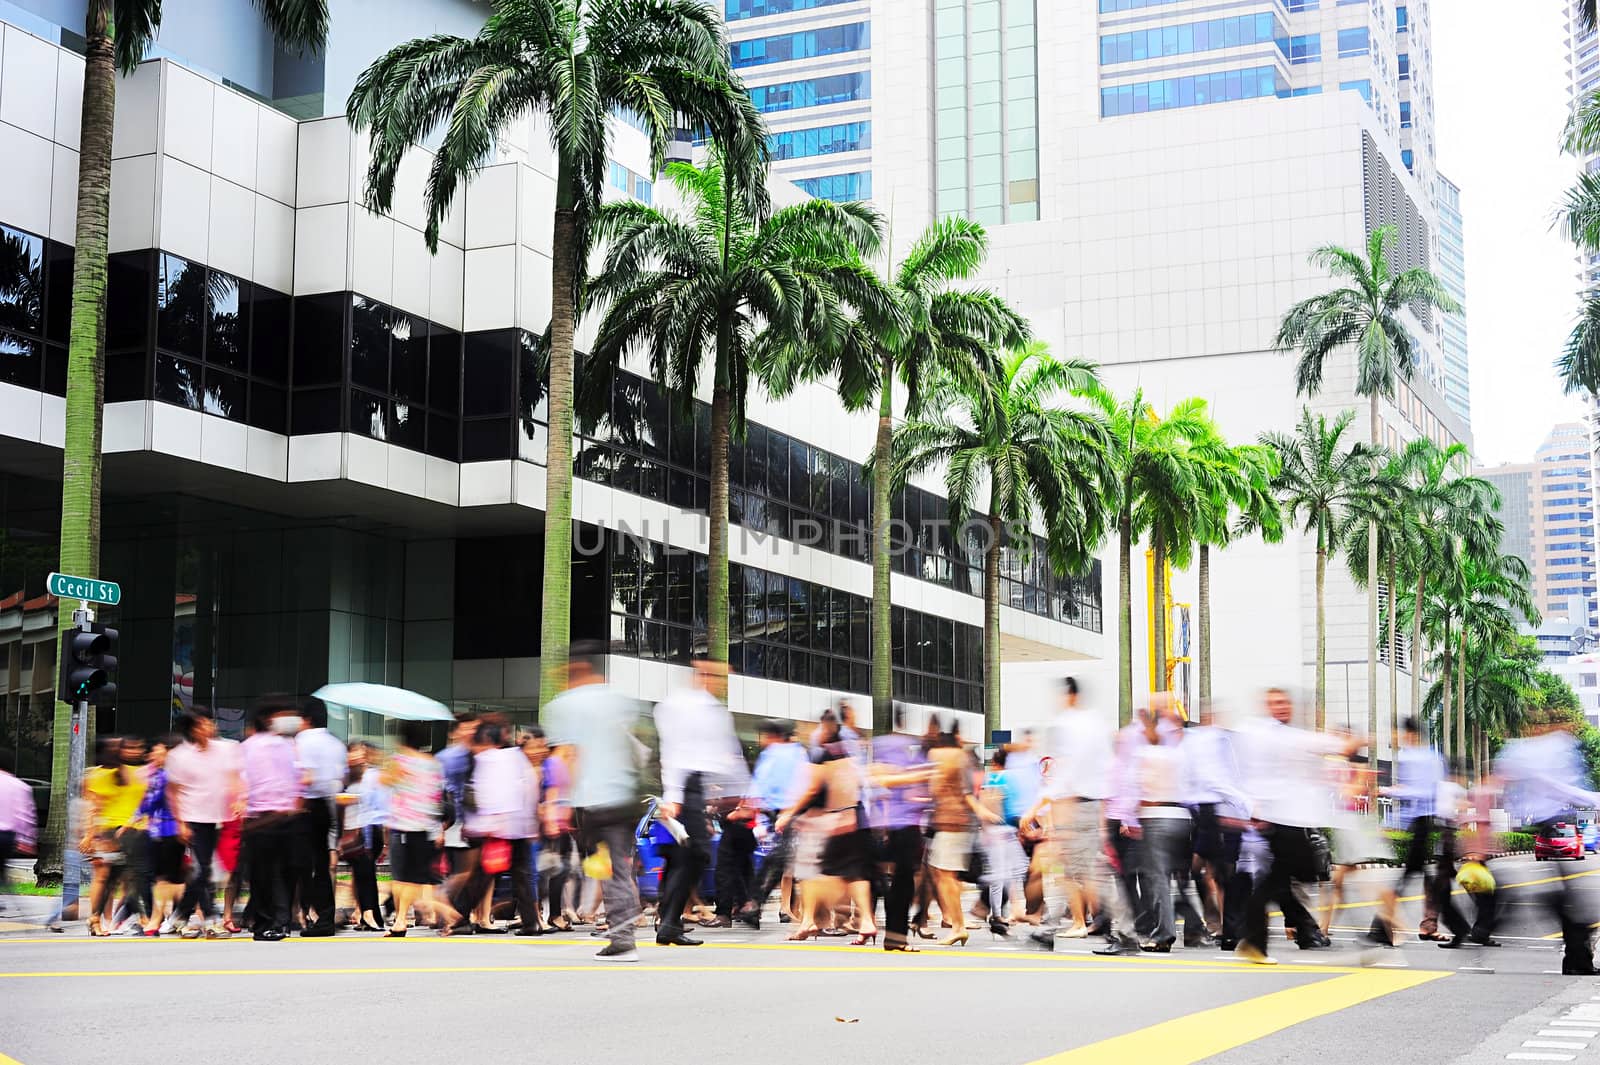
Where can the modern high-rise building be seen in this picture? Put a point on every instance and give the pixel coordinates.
(325, 446)
(1453, 272)
(808, 64)
(1155, 176)
(1583, 68)
(1547, 507)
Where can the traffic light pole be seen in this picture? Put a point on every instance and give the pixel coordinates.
(71, 860)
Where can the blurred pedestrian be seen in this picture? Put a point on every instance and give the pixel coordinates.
(1005, 866)
(167, 839)
(113, 791)
(901, 769)
(323, 762)
(415, 820)
(272, 827)
(499, 818)
(954, 818)
(206, 792)
(361, 841)
(1220, 806)
(781, 775)
(597, 723)
(17, 815)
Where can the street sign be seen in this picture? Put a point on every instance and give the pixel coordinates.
(87, 589)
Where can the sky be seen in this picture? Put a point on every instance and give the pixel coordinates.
(1500, 101)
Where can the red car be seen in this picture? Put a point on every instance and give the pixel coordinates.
(1563, 842)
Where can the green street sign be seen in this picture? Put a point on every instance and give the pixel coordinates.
(87, 589)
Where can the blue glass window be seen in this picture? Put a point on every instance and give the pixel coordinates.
(1195, 91)
(1307, 90)
(1301, 5)
(822, 140)
(1405, 66)
(1364, 87)
(1407, 158)
(839, 187)
(1109, 6)
(1402, 19)
(742, 9)
(806, 44)
(812, 92)
(1405, 114)
(1354, 42)
(1305, 49)
(1233, 32)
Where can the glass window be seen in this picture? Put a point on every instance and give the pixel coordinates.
(129, 286)
(369, 414)
(408, 357)
(225, 395)
(227, 321)
(269, 408)
(58, 290)
(180, 306)
(318, 340)
(369, 344)
(314, 410)
(20, 360)
(1354, 42)
(444, 369)
(178, 381)
(269, 335)
(22, 283)
(487, 380)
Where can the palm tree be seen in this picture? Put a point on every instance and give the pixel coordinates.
(717, 280)
(117, 36)
(923, 324)
(1489, 596)
(1579, 218)
(1498, 681)
(1039, 461)
(665, 61)
(1319, 482)
(1156, 480)
(1238, 501)
(1363, 312)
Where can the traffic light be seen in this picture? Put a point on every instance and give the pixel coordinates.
(89, 666)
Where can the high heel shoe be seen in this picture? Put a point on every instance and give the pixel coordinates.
(923, 933)
(999, 929)
(900, 948)
(865, 939)
(95, 929)
(802, 934)
(396, 933)
(957, 940)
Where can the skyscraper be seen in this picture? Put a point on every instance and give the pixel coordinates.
(1453, 272)
(808, 64)
(1154, 179)
(1583, 65)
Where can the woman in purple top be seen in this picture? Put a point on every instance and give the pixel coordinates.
(900, 768)
(169, 839)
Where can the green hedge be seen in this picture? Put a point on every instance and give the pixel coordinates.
(1507, 843)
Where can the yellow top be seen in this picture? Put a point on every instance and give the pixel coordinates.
(119, 803)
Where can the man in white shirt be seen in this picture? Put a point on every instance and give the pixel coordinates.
(1286, 778)
(1219, 805)
(322, 760)
(700, 759)
(204, 791)
(1080, 751)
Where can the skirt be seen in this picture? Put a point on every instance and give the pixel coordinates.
(849, 855)
(166, 859)
(951, 851)
(413, 859)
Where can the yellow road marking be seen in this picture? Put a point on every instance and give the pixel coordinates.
(8, 1061)
(593, 968)
(1458, 891)
(1201, 1035)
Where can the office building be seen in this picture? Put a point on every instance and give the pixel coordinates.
(1583, 69)
(808, 64)
(1154, 177)
(324, 446)
(1453, 272)
(1521, 507)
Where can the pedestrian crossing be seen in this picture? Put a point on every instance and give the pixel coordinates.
(1563, 1038)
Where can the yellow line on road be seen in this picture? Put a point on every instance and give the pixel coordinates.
(1209, 1032)
(591, 968)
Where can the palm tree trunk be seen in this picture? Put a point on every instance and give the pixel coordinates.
(1322, 624)
(555, 620)
(1372, 608)
(1125, 618)
(882, 642)
(1447, 675)
(80, 457)
(1415, 658)
(1461, 696)
(717, 564)
(1205, 624)
(1158, 613)
(721, 424)
(991, 628)
(1394, 671)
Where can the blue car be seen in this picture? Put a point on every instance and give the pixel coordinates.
(653, 839)
(1591, 837)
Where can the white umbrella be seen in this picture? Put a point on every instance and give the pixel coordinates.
(385, 701)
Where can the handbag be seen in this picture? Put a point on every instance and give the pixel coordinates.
(496, 857)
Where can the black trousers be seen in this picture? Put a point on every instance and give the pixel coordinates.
(735, 866)
(688, 861)
(1135, 884)
(200, 893)
(776, 864)
(565, 848)
(312, 868)
(364, 873)
(471, 891)
(1293, 858)
(8, 845)
(903, 850)
(1218, 847)
(268, 842)
(1440, 888)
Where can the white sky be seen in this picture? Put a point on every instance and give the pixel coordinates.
(1500, 100)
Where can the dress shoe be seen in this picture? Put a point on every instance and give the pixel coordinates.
(1580, 967)
(268, 935)
(1118, 945)
(717, 922)
(678, 940)
(1152, 946)
(751, 919)
(316, 931)
(1042, 940)
(1227, 943)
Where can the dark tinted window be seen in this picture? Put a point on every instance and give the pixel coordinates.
(224, 395)
(181, 306)
(55, 369)
(129, 287)
(443, 431)
(318, 342)
(532, 400)
(408, 358)
(228, 326)
(487, 374)
(269, 408)
(19, 360)
(486, 440)
(315, 410)
(178, 381)
(369, 415)
(125, 376)
(444, 370)
(21, 282)
(369, 344)
(269, 335)
(58, 291)
(406, 425)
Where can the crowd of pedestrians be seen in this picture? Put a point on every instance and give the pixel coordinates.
(1163, 831)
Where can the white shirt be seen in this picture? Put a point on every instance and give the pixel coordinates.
(1544, 777)
(1287, 774)
(319, 754)
(697, 737)
(1211, 771)
(1159, 773)
(1080, 752)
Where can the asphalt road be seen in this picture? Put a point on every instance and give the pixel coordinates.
(752, 997)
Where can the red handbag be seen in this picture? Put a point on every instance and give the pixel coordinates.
(496, 857)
